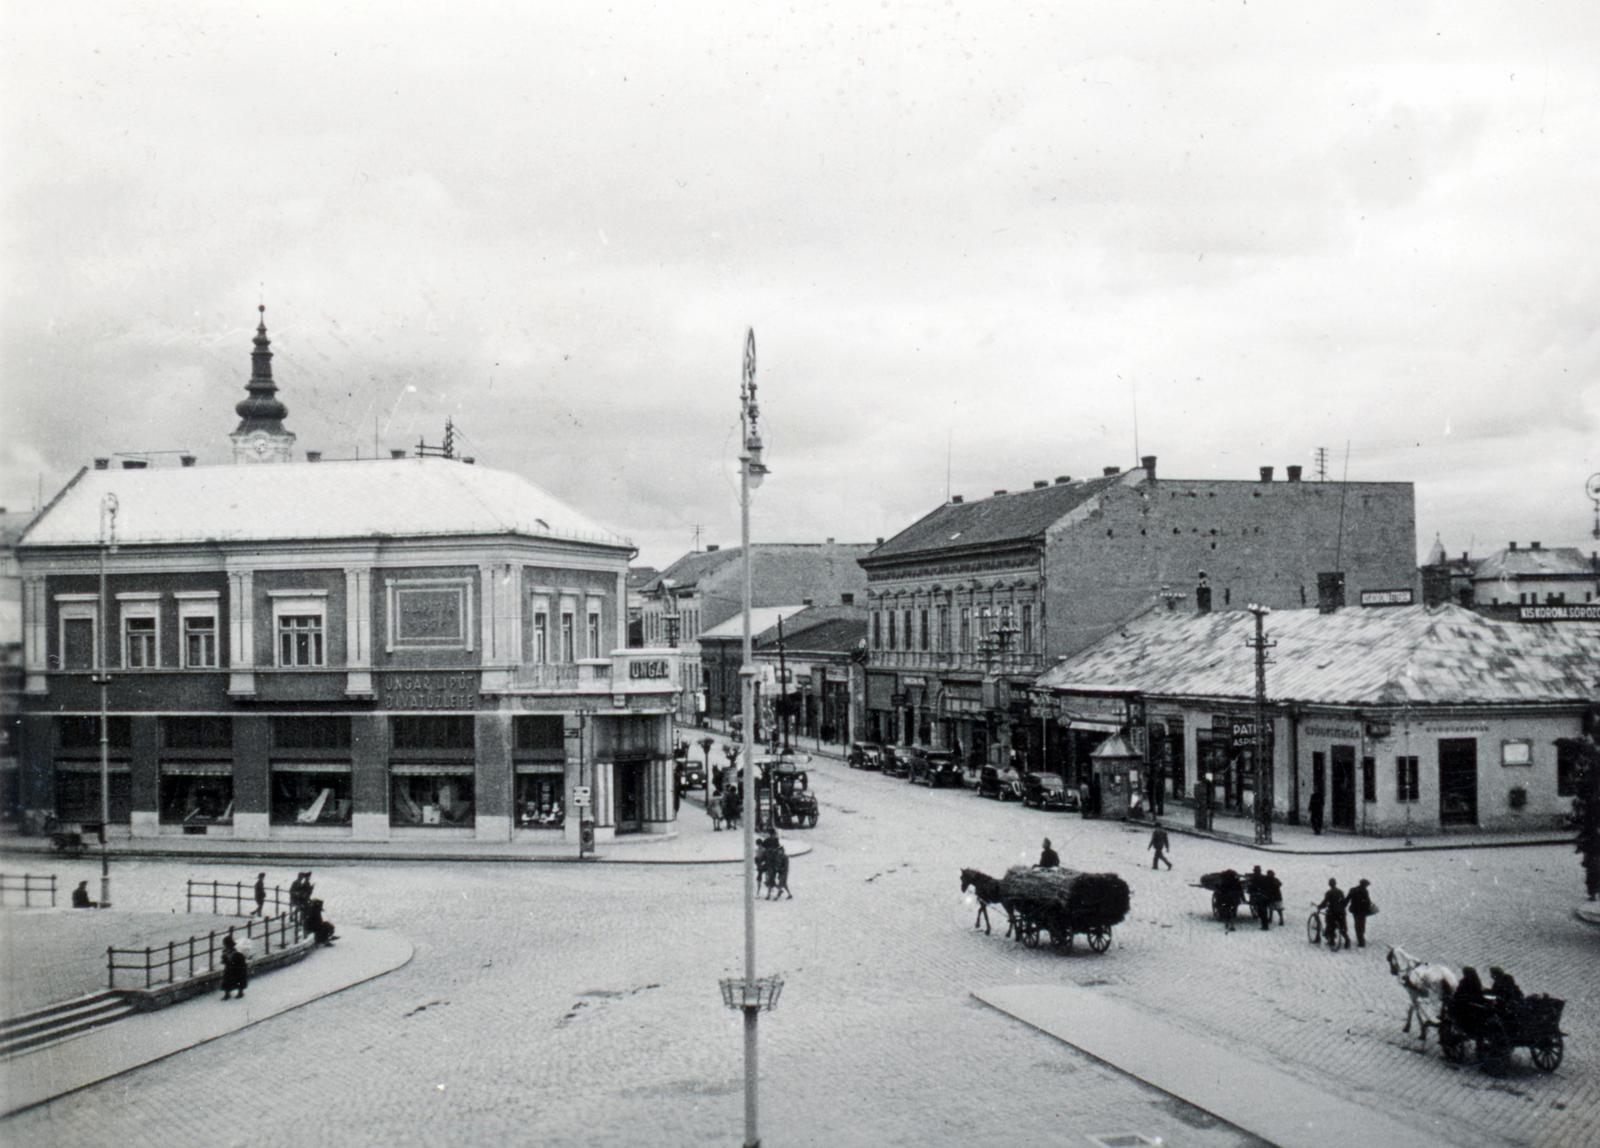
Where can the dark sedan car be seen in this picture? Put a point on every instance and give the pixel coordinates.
(691, 775)
(865, 755)
(895, 763)
(1003, 784)
(934, 767)
(1048, 791)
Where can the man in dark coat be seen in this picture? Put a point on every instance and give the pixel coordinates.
(80, 897)
(1361, 907)
(1333, 904)
(235, 970)
(1160, 843)
(261, 895)
(1316, 811)
(1048, 858)
(1260, 902)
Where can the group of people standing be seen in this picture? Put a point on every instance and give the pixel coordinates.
(1338, 907)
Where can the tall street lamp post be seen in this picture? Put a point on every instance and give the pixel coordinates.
(102, 678)
(1260, 643)
(749, 994)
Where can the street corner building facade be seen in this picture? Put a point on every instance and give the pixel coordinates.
(407, 648)
(1392, 720)
(970, 604)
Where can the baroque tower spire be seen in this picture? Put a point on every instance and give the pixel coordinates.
(260, 435)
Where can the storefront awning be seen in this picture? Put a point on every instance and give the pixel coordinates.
(90, 767)
(431, 769)
(541, 767)
(196, 769)
(1095, 726)
(311, 767)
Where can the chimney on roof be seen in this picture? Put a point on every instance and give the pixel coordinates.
(313, 456)
(186, 459)
(1330, 592)
(847, 599)
(1294, 473)
(998, 493)
(713, 547)
(1513, 546)
(1266, 474)
(956, 500)
(830, 542)
(807, 602)
(396, 453)
(1533, 546)
(1436, 585)
(1063, 478)
(1148, 461)
(880, 541)
(1110, 470)
(469, 460)
(1202, 595)
(102, 464)
(134, 464)
(1040, 483)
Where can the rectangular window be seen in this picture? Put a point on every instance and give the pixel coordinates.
(140, 635)
(1405, 777)
(196, 798)
(877, 629)
(322, 732)
(84, 732)
(78, 796)
(432, 731)
(1369, 779)
(541, 801)
(966, 629)
(311, 797)
(77, 642)
(445, 800)
(539, 732)
(944, 630)
(1566, 769)
(566, 636)
(200, 641)
(541, 637)
(910, 639)
(1027, 628)
(893, 618)
(594, 634)
(1516, 752)
(922, 628)
(197, 732)
(300, 640)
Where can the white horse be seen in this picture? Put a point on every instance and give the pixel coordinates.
(1429, 987)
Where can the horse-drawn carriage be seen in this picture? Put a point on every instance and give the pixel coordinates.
(1064, 903)
(1497, 1029)
(1227, 893)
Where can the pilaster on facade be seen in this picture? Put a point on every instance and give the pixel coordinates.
(241, 633)
(358, 632)
(499, 624)
(35, 636)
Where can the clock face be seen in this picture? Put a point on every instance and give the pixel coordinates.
(262, 447)
(1593, 487)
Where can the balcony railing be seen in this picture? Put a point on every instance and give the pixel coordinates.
(949, 660)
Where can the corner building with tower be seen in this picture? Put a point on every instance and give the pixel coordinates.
(376, 650)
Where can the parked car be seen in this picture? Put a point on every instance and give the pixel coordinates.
(933, 767)
(1002, 784)
(865, 755)
(1048, 791)
(895, 763)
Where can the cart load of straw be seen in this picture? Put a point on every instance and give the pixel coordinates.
(1085, 898)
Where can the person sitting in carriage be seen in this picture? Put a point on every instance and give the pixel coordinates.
(1504, 993)
(1468, 1005)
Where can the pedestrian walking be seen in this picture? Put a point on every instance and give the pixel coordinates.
(1333, 905)
(1361, 907)
(261, 895)
(1257, 891)
(1048, 858)
(1274, 894)
(1160, 843)
(235, 970)
(1316, 811)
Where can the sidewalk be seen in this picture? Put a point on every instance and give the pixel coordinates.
(32, 1078)
(1236, 830)
(1251, 1095)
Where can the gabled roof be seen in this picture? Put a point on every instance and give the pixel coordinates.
(818, 629)
(1420, 655)
(1558, 562)
(1004, 518)
(280, 502)
(687, 571)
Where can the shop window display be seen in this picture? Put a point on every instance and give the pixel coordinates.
(541, 801)
(188, 800)
(303, 798)
(432, 800)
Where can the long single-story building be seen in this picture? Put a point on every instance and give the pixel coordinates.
(1405, 719)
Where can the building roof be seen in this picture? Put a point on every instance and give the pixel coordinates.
(762, 619)
(687, 571)
(1557, 562)
(1013, 517)
(819, 629)
(1419, 655)
(389, 498)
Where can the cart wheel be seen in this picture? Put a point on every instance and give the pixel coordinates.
(1314, 928)
(1099, 938)
(811, 819)
(1547, 1056)
(1030, 936)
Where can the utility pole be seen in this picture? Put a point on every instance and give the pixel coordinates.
(783, 689)
(102, 677)
(1263, 760)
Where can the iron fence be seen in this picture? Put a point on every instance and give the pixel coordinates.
(200, 954)
(219, 894)
(29, 885)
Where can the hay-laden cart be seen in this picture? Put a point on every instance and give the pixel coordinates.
(1064, 903)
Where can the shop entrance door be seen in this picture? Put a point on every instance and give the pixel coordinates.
(628, 787)
(1344, 787)
(1458, 781)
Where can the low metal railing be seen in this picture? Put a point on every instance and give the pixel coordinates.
(199, 954)
(238, 894)
(29, 885)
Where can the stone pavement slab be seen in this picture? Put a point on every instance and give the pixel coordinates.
(1248, 1094)
(34, 1077)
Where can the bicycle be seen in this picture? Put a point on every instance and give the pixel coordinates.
(1315, 931)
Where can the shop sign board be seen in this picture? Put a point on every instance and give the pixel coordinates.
(1387, 597)
(580, 795)
(1577, 612)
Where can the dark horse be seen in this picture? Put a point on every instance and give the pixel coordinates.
(987, 889)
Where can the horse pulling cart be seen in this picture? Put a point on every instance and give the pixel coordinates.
(1499, 1029)
(1064, 903)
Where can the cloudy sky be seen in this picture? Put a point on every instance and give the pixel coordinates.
(979, 244)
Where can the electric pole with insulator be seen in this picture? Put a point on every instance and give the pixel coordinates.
(1260, 644)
